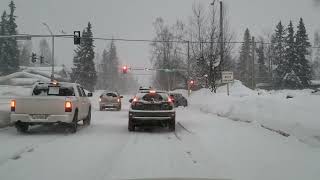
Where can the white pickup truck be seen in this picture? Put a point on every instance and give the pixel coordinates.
(50, 103)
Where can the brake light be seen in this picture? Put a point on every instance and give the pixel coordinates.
(99, 99)
(152, 91)
(118, 99)
(135, 99)
(13, 105)
(170, 100)
(68, 106)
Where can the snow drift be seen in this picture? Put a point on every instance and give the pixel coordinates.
(297, 116)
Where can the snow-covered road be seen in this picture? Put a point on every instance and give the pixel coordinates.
(215, 147)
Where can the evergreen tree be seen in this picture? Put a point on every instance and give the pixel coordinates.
(12, 48)
(286, 72)
(245, 59)
(316, 57)
(113, 66)
(262, 69)
(279, 43)
(3, 44)
(25, 53)
(44, 50)
(302, 65)
(84, 71)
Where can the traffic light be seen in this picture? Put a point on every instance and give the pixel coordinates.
(41, 59)
(125, 69)
(76, 37)
(33, 57)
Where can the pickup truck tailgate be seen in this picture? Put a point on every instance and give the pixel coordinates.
(40, 105)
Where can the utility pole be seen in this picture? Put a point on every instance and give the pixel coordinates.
(188, 76)
(211, 79)
(221, 38)
(52, 55)
(253, 59)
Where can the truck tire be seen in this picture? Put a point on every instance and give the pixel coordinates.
(22, 127)
(172, 124)
(87, 120)
(131, 126)
(74, 125)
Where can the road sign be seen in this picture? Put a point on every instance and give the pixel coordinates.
(227, 77)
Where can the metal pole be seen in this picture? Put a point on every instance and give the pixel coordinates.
(253, 58)
(52, 59)
(221, 37)
(228, 89)
(188, 79)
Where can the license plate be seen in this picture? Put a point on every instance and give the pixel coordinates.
(39, 116)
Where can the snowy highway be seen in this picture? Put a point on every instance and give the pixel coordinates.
(203, 146)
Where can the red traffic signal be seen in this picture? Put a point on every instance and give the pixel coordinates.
(125, 69)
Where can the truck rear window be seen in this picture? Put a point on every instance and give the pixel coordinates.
(53, 91)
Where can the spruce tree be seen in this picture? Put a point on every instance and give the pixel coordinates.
(262, 69)
(302, 65)
(244, 60)
(279, 43)
(4, 44)
(84, 71)
(316, 57)
(286, 68)
(12, 48)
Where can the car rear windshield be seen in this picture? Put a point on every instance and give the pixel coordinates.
(156, 97)
(45, 90)
(111, 94)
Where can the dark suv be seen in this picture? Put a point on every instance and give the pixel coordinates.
(151, 108)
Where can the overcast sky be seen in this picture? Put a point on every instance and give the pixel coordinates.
(133, 19)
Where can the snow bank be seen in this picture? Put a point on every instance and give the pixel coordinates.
(297, 116)
(6, 94)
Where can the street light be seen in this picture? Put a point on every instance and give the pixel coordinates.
(52, 55)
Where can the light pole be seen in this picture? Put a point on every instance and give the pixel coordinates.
(52, 55)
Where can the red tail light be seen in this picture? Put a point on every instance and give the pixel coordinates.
(68, 106)
(135, 99)
(13, 105)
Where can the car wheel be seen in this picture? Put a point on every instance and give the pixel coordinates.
(74, 125)
(172, 124)
(87, 121)
(22, 127)
(131, 126)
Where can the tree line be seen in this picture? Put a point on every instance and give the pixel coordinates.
(283, 62)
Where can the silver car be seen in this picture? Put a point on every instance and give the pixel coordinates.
(110, 100)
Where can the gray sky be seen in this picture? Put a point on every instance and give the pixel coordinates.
(133, 19)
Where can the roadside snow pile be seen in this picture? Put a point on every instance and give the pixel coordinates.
(6, 94)
(297, 116)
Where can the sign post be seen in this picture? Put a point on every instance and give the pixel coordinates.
(227, 77)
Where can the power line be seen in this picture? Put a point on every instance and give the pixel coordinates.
(134, 40)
